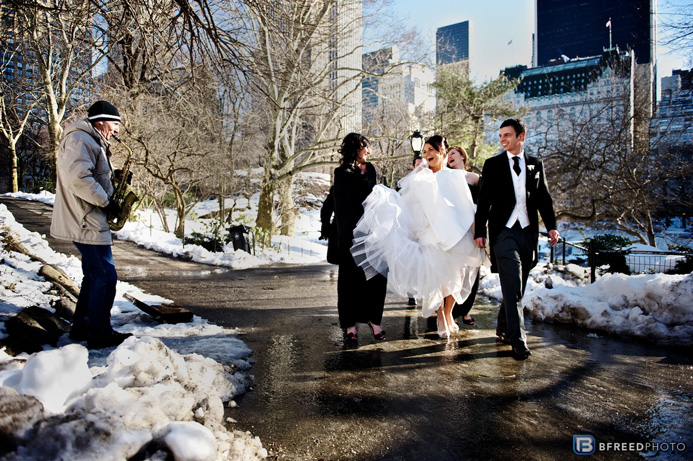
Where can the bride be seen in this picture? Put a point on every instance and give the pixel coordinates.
(422, 238)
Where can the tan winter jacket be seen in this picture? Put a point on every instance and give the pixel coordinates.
(83, 187)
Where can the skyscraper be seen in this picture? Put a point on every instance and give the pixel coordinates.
(345, 57)
(581, 29)
(569, 30)
(452, 46)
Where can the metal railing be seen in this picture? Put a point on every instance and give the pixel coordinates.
(627, 260)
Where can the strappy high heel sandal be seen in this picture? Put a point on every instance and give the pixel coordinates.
(351, 337)
(378, 337)
(444, 333)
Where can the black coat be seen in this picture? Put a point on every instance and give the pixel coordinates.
(328, 228)
(326, 215)
(497, 200)
(349, 191)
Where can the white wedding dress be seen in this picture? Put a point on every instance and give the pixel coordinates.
(422, 238)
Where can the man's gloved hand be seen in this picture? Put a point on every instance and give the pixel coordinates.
(118, 173)
(112, 209)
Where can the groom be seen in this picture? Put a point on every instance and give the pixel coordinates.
(512, 190)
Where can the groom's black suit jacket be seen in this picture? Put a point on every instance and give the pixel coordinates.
(497, 200)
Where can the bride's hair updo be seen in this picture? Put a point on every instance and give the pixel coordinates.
(439, 142)
(351, 145)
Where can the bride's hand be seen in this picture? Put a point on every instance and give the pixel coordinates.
(421, 166)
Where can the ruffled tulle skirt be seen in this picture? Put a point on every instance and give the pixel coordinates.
(422, 238)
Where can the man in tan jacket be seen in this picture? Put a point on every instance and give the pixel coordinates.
(82, 195)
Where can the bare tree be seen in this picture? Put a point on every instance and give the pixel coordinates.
(16, 101)
(463, 107)
(65, 49)
(388, 129)
(178, 94)
(305, 67)
(603, 162)
(677, 27)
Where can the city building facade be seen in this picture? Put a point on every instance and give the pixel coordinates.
(345, 50)
(595, 91)
(673, 124)
(452, 47)
(393, 90)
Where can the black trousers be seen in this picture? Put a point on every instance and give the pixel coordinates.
(514, 254)
(460, 310)
(358, 299)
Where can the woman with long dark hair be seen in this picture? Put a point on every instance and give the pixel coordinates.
(359, 300)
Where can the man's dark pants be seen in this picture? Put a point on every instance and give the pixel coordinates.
(514, 254)
(96, 296)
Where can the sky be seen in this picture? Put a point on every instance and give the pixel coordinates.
(169, 383)
(495, 23)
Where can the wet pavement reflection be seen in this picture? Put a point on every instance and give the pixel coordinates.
(414, 396)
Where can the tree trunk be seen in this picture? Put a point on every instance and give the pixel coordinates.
(180, 214)
(476, 137)
(162, 215)
(55, 131)
(14, 180)
(287, 208)
(265, 208)
(650, 230)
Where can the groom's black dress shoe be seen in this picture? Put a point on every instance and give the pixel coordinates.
(521, 352)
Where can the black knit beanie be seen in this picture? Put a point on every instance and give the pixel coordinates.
(103, 111)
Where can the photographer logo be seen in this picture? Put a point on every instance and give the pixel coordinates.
(583, 444)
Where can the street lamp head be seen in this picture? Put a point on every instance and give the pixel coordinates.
(417, 141)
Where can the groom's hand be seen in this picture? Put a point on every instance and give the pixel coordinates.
(553, 236)
(481, 242)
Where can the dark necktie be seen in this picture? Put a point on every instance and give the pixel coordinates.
(516, 166)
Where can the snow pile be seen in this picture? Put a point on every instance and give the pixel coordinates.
(146, 394)
(162, 388)
(69, 372)
(654, 306)
(657, 307)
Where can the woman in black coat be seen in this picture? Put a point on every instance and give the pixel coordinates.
(359, 300)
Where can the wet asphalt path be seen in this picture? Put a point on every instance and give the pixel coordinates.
(413, 396)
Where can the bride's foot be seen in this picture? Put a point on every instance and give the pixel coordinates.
(452, 325)
(443, 332)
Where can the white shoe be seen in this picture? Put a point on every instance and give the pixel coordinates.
(444, 333)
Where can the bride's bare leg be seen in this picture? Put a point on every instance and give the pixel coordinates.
(449, 304)
(443, 331)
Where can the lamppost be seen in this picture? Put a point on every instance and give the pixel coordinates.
(416, 140)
